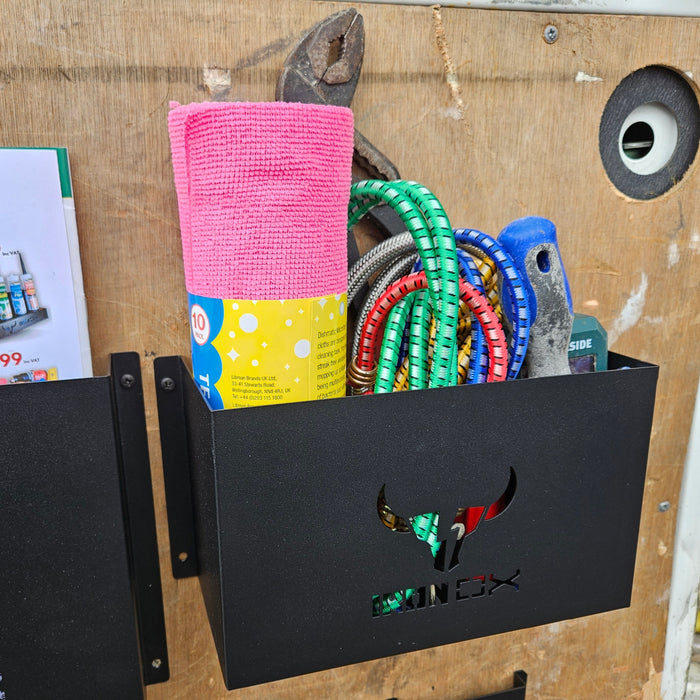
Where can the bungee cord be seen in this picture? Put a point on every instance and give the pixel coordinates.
(410, 332)
(426, 220)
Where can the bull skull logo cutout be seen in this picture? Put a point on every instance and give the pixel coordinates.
(425, 526)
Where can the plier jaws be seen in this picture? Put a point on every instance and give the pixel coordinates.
(324, 67)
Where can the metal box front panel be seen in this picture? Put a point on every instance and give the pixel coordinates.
(305, 559)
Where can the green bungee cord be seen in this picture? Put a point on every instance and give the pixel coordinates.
(427, 222)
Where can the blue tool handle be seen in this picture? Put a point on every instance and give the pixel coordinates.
(532, 244)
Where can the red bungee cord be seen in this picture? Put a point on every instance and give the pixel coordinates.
(370, 339)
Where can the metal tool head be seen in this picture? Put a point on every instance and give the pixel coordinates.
(324, 67)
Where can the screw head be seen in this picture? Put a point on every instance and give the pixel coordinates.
(664, 506)
(156, 663)
(551, 34)
(127, 381)
(167, 384)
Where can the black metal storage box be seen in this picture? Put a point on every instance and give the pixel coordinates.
(296, 567)
(81, 611)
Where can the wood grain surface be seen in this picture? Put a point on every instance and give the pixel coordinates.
(499, 124)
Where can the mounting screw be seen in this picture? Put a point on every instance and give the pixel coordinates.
(156, 663)
(551, 34)
(127, 381)
(664, 506)
(167, 384)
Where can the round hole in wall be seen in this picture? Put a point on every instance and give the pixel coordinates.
(649, 132)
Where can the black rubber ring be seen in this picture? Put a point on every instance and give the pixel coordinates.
(650, 84)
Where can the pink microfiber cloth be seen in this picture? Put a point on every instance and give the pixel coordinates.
(263, 191)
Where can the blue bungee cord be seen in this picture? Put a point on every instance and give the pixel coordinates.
(513, 281)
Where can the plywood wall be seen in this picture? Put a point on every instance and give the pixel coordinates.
(510, 130)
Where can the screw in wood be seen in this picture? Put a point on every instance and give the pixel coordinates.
(551, 34)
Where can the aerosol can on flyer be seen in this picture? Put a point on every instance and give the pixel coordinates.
(5, 303)
(19, 306)
(28, 287)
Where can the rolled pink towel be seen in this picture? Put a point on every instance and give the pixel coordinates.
(263, 190)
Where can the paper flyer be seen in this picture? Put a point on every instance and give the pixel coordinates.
(43, 318)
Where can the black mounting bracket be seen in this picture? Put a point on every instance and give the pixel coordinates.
(170, 382)
(139, 514)
(517, 692)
